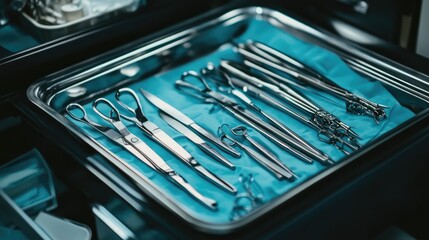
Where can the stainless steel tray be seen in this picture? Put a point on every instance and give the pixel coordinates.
(95, 11)
(52, 94)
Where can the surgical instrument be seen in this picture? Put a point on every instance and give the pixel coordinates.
(275, 59)
(205, 93)
(324, 135)
(150, 158)
(276, 170)
(225, 84)
(179, 116)
(318, 115)
(197, 140)
(159, 136)
(241, 131)
(326, 132)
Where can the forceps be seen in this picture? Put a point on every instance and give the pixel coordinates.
(140, 150)
(241, 131)
(322, 117)
(341, 142)
(158, 135)
(226, 84)
(319, 115)
(206, 94)
(276, 170)
(275, 59)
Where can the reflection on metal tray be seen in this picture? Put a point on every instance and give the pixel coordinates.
(59, 18)
(173, 51)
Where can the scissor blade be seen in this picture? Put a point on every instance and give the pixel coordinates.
(143, 152)
(146, 151)
(138, 147)
(182, 129)
(186, 157)
(179, 116)
(136, 153)
(171, 175)
(197, 140)
(172, 145)
(167, 108)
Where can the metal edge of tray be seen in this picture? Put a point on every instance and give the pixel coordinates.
(147, 187)
(53, 31)
(142, 182)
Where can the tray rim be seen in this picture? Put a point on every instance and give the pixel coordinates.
(150, 188)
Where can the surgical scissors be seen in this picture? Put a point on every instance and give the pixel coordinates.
(206, 94)
(280, 172)
(159, 136)
(145, 154)
(226, 84)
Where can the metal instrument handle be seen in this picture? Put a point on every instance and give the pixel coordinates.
(138, 110)
(189, 89)
(242, 131)
(72, 107)
(193, 74)
(114, 113)
(239, 130)
(354, 104)
(210, 203)
(271, 137)
(84, 118)
(279, 172)
(226, 148)
(216, 155)
(227, 140)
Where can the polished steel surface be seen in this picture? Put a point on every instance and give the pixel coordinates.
(197, 140)
(176, 114)
(54, 93)
(158, 135)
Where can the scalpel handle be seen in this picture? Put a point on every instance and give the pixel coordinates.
(208, 202)
(215, 140)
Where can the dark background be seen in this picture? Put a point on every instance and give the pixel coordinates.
(361, 202)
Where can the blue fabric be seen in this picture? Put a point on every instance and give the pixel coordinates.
(211, 117)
